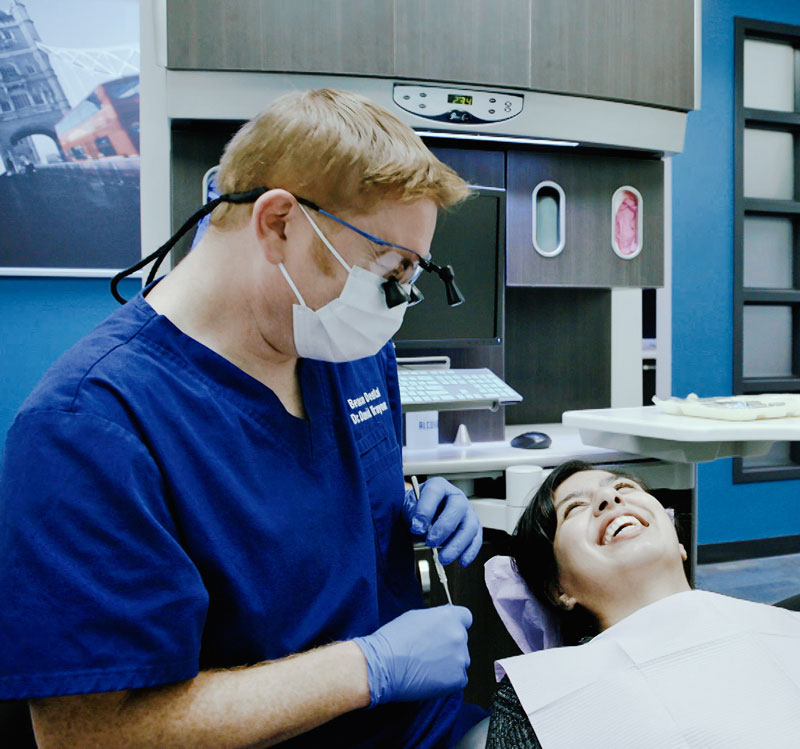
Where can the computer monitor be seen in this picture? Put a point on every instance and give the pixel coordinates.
(471, 238)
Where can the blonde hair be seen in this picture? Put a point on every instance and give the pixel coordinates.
(337, 149)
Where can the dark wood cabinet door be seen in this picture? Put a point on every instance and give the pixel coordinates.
(310, 36)
(469, 41)
(589, 183)
(628, 50)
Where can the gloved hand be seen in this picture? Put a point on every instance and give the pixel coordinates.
(456, 530)
(420, 654)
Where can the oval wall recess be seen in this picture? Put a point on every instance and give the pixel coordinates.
(549, 205)
(627, 209)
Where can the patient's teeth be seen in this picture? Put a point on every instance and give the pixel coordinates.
(616, 524)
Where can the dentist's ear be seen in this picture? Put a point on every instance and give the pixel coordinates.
(270, 215)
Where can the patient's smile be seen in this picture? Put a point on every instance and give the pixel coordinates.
(621, 528)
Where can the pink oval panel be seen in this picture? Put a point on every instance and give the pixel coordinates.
(626, 224)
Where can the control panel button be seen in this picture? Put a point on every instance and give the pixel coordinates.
(457, 105)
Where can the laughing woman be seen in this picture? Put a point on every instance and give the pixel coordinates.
(658, 664)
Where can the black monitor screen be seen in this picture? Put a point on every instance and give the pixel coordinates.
(471, 238)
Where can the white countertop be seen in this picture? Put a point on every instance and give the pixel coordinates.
(497, 456)
(647, 431)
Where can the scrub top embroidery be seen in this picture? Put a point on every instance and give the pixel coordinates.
(163, 514)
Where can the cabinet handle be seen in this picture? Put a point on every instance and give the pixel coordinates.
(627, 209)
(549, 205)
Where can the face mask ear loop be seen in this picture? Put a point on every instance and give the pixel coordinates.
(292, 284)
(324, 238)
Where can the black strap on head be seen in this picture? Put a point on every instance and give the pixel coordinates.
(250, 196)
(454, 295)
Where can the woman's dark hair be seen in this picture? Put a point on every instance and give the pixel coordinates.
(532, 542)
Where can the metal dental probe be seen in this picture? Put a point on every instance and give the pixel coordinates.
(436, 563)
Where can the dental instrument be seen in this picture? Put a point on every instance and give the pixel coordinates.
(436, 563)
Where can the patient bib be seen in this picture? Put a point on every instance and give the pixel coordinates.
(696, 670)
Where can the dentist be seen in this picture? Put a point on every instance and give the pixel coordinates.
(207, 540)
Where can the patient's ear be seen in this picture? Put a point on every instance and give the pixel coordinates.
(684, 555)
(561, 599)
(566, 602)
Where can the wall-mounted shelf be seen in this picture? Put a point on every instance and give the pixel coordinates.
(766, 283)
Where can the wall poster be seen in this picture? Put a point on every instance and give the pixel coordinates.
(69, 137)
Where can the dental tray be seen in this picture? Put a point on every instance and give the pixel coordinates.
(733, 408)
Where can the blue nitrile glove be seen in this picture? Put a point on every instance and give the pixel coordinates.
(456, 531)
(419, 655)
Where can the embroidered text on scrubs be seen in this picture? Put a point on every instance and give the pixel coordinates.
(367, 411)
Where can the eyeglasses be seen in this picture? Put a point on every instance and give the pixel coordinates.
(396, 288)
(392, 286)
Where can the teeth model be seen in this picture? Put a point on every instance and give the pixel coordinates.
(616, 525)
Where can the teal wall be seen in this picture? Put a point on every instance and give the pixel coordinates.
(702, 296)
(40, 318)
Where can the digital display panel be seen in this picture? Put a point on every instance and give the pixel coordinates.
(459, 99)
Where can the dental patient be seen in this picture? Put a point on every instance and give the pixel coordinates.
(648, 662)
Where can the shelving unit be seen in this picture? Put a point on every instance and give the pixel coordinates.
(766, 346)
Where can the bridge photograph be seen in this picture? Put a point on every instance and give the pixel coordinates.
(69, 137)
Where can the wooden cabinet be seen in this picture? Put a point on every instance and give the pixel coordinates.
(587, 186)
(627, 50)
(311, 36)
(469, 41)
(557, 352)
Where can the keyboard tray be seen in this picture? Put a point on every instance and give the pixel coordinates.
(453, 390)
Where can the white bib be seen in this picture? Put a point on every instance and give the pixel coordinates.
(696, 669)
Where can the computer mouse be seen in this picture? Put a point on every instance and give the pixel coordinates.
(531, 440)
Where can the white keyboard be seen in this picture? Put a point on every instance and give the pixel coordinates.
(453, 389)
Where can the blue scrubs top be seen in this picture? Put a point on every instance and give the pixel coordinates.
(162, 513)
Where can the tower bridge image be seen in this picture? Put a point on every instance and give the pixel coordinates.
(32, 100)
(70, 208)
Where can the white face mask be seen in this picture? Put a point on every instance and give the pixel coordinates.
(354, 325)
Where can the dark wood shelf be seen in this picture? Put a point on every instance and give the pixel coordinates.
(752, 385)
(749, 297)
(771, 296)
(744, 475)
(766, 206)
(771, 120)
